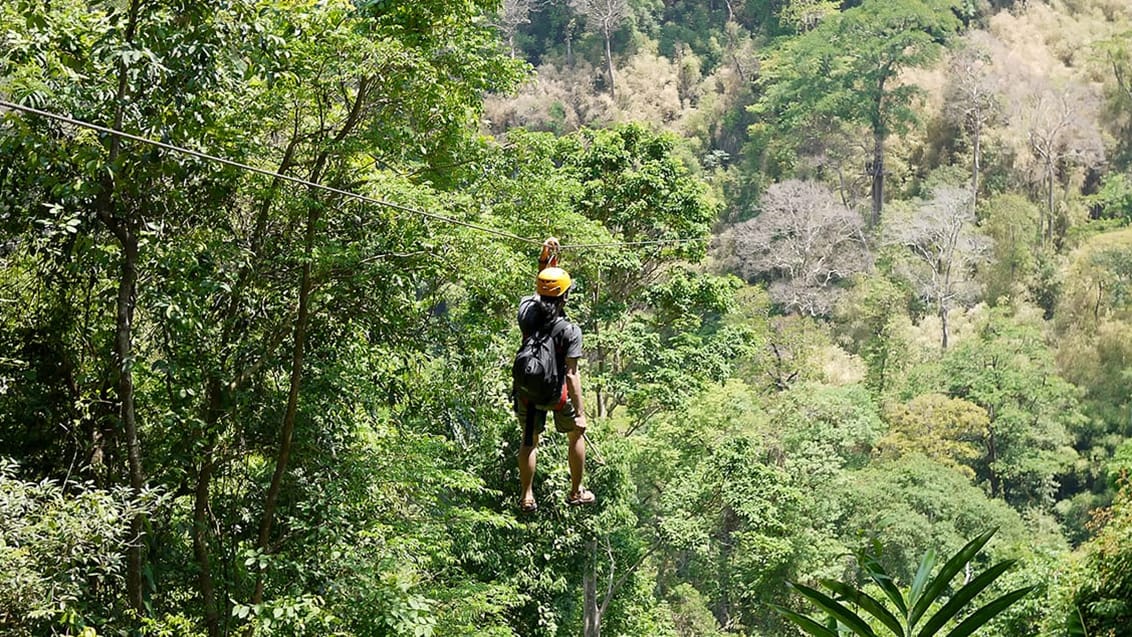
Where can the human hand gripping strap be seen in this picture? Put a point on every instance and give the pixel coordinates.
(549, 256)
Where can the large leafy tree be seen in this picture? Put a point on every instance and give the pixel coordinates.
(1013, 223)
(912, 505)
(1007, 369)
(207, 295)
(634, 184)
(1092, 322)
(847, 69)
(730, 524)
(941, 428)
(872, 317)
(123, 67)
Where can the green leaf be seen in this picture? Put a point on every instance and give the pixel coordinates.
(836, 609)
(986, 613)
(946, 574)
(808, 624)
(961, 597)
(1076, 627)
(882, 579)
(921, 578)
(865, 601)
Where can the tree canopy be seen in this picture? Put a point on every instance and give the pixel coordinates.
(260, 262)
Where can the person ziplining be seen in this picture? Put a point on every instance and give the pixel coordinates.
(542, 317)
(546, 379)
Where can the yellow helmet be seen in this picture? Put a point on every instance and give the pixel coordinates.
(553, 282)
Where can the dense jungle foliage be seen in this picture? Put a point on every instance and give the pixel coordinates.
(232, 404)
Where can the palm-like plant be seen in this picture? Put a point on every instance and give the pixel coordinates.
(911, 618)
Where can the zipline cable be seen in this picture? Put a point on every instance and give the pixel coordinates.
(310, 184)
(263, 171)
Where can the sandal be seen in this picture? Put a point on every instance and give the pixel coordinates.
(583, 496)
(528, 506)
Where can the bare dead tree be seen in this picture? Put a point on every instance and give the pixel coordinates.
(512, 15)
(741, 52)
(604, 17)
(806, 242)
(1061, 128)
(973, 99)
(945, 248)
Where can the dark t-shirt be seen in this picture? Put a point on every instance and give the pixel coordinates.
(567, 336)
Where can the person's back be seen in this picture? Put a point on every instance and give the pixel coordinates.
(546, 331)
(543, 323)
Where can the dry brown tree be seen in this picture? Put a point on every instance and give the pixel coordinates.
(944, 249)
(805, 242)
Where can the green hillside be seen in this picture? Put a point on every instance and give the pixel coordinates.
(854, 284)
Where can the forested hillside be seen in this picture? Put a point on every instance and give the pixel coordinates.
(854, 279)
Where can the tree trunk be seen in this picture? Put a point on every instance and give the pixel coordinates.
(722, 608)
(882, 367)
(1049, 200)
(592, 613)
(878, 176)
(201, 493)
(127, 293)
(975, 161)
(125, 230)
(214, 397)
(944, 325)
(992, 458)
(570, 43)
(200, 541)
(289, 416)
(609, 63)
(599, 391)
(301, 320)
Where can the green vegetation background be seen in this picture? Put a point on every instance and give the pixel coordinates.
(234, 405)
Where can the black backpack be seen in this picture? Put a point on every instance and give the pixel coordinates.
(535, 370)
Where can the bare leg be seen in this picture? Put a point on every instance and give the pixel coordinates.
(527, 457)
(576, 454)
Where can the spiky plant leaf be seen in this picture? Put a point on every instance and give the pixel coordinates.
(808, 624)
(868, 603)
(980, 617)
(921, 578)
(934, 590)
(877, 574)
(851, 620)
(962, 597)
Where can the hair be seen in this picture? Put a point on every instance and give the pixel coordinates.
(551, 306)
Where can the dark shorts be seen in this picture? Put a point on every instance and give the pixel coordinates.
(533, 419)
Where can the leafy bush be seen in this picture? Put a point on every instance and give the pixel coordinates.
(1114, 199)
(1101, 601)
(62, 551)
